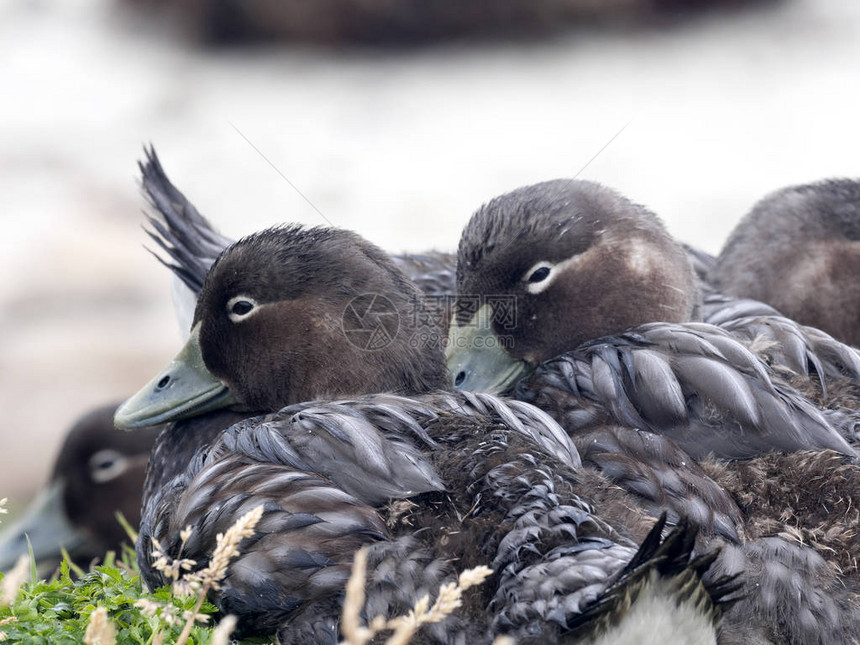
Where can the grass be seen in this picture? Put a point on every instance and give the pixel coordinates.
(108, 605)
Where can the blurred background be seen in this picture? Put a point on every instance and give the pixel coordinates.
(396, 118)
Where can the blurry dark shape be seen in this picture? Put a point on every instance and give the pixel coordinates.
(98, 472)
(224, 22)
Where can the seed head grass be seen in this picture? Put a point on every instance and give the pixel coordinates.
(448, 600)
(100, 629)
(107, 604)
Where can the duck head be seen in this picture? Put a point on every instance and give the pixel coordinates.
(291, 314)
(798, 250)
(97, 474)
(547, 267)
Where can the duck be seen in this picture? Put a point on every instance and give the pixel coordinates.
(656, 476)
(798, 250)
(578, 301)
(654, 469)
(656, 473)
(419, 476)
(96, 474)
(579, 242)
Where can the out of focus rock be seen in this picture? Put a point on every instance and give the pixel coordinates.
(412, 21)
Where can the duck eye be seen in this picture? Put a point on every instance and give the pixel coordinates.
(106, 465)
(539, 275)
(240, 307)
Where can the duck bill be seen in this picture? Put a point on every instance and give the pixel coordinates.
(185, 389)
(477, 358)
(45, 528)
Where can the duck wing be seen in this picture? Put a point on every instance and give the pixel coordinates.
(505, 501)
(291, 573)
(190, 241)
(341, 444)
(557, 536)
(806, 351)
(820, 366)
(435, 273)
(375, 447)
(663, 477)
(692, 382)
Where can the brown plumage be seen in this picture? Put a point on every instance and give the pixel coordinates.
(429, 483)
(799, 250)
(807, 497)
(601, 297)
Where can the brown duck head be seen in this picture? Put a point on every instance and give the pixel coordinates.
(544, 268)
(292, 314)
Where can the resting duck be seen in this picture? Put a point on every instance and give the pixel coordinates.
(550, 268)
(658, 474)
(98, 473)
(799, 250)
(651, 467)
(487, 480)
(560, 286)
(655, 470)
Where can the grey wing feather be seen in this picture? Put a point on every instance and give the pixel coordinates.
(289, 576)
(335, 442)
(718, 309)
(665, 477)
(797, 596)
(435, 273)
(531, 422)
(800, 348)
(372, 446)
(182, 233)
(306, 520)
(408, 416)
(734, 405)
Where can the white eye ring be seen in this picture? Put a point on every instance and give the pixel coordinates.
(106, 465)
(240, 307)
(539, 277)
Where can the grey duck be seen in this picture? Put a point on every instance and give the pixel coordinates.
(577, 300)
(482, 479)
